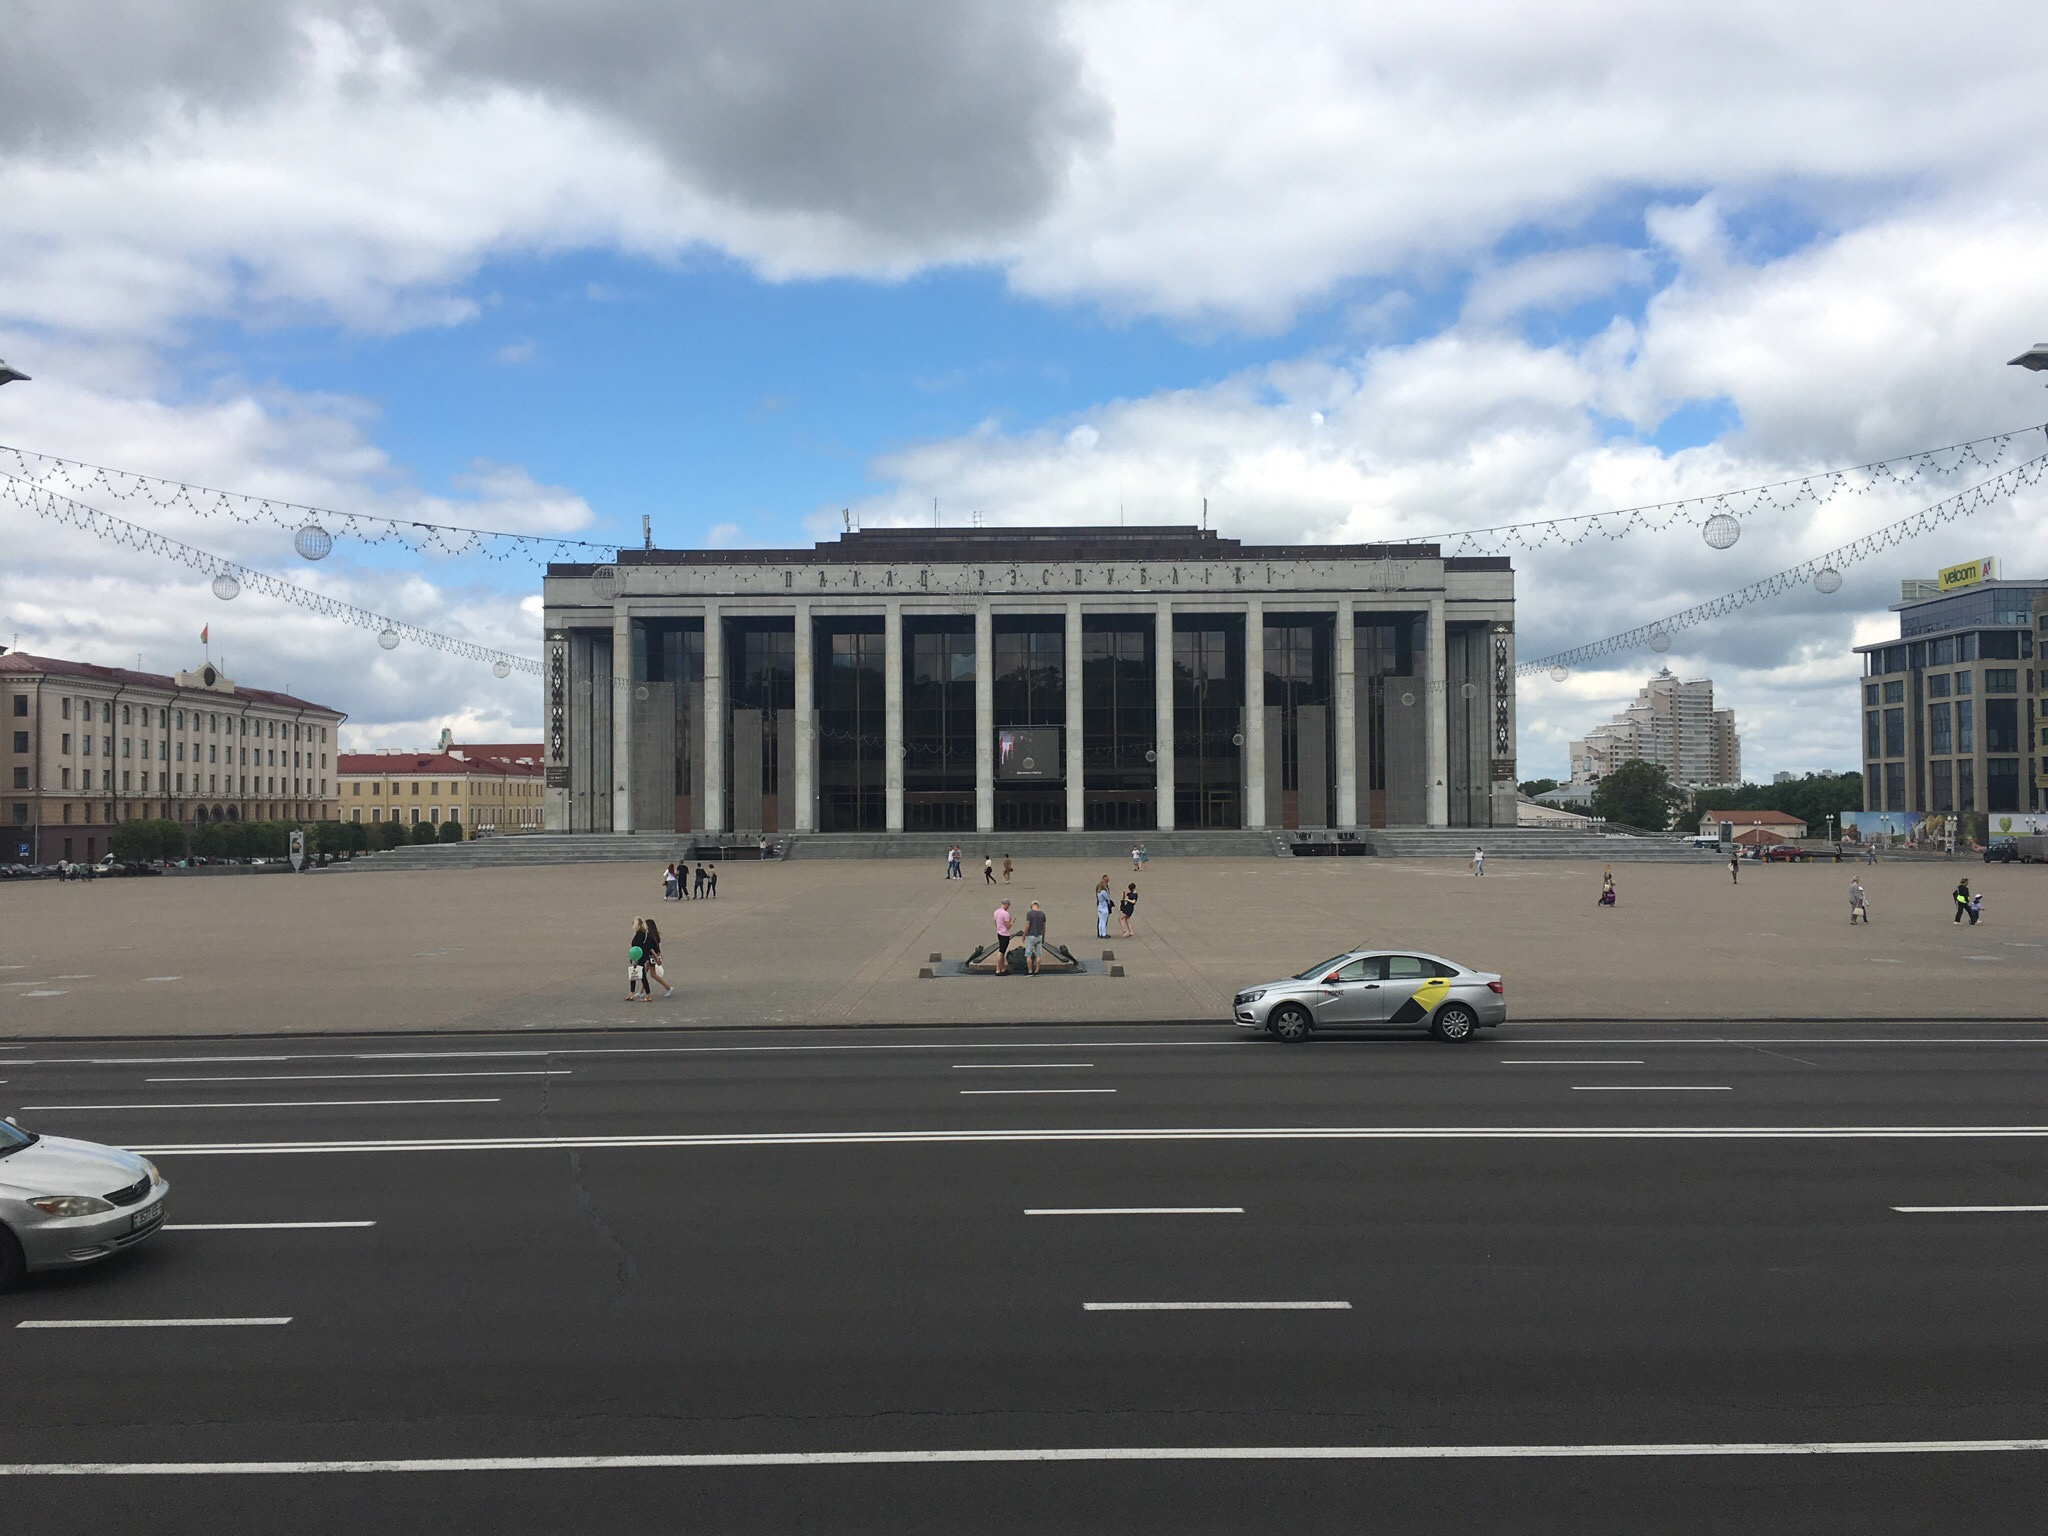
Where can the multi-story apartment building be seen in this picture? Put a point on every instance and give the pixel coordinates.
(491, 788)
(1671, 723)
(1952, 708)
(84, 747)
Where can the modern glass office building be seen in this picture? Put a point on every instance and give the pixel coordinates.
(1030, 678)
(1950, 717)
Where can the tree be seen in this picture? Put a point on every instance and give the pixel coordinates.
(1812, 798)
(1637, 794)
(387, 834)
(451, 831)
(1536, 789)
(424, 832)
(154, 839)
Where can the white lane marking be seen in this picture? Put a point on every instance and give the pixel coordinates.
(361, 1077)
(1887, 962)
(1958, 1210)
(1011, 1093)
(80, 976)
(163, 978)
(1561, 1061)
(262, 1226)
(1215, 1306)
(1651, 1088)
(1016, 1066)
(1192, 1133)
(156, 1322)
(1135, 1210)
(1984, 957)
(1011, 1455)
(263, 1104)
(1226, 1042)
(44, 992)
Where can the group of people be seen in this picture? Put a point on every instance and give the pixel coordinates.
(1105, 903)
(1968, 904)
(643, 961)
(676, 883)
(988, 866)
(1033, 936)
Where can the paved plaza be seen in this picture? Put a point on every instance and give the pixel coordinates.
(842, 943)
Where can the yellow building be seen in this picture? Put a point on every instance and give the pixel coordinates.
(493, 788)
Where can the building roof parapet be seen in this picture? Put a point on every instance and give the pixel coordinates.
(20, 664)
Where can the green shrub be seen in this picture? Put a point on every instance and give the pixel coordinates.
(423, 832)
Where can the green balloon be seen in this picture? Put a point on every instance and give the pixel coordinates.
(636, 954)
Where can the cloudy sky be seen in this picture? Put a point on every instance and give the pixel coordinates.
(1350, 272)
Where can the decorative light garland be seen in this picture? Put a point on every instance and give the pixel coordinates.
(230, 578)
(1721, 525)
(1823, 571)
(314, 529)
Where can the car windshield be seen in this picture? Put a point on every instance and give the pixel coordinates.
(13, 1138)
(1318, 972)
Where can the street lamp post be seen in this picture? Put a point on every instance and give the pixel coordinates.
(8, 376)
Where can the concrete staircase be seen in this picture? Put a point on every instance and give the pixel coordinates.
(1031, 845)
(534, 848)
(1535, 843)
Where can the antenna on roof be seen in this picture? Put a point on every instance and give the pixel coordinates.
(846, 517)
(646, 531)
(1205, 514)
(935, 511)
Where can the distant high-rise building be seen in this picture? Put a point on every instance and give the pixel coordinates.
(1671, 723)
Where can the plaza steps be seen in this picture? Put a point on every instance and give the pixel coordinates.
(530, 848)
(1230, 844)
(1536, 843)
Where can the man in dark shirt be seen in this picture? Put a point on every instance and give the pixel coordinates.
(1034, 936)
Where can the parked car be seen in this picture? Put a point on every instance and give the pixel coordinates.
(67, 1203)
(1376, 989)
(1786, 853)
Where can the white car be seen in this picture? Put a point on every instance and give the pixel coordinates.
(64, 1203)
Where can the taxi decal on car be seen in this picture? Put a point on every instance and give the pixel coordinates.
(1423, 1003)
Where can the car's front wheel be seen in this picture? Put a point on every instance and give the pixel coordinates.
(1454, 1022)
(1290, 1022)
(13, 1267)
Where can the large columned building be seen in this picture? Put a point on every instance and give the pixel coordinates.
(984, 679)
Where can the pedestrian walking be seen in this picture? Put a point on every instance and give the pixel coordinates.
(1103, 903)
(1008, 867)
(1479, 861)
(1137, 857)
(1976, 908)
(699, 893)
(671, 884)
(1735, 869)
(711, 883)
(1607, 896)
(1034, 937)
(1001, 918)
(651, 960)
(636, 957)
(988, 869)
(1859, 906)
(1128, 906)
(1961, 896)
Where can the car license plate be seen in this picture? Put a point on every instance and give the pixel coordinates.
(148, 1218)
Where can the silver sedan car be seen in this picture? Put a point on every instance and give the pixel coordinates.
(1376, 988)
(65, 1203)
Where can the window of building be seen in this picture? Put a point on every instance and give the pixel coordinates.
(415, 815)
(1964, 682)
(21, 704)
(1894, 734)
(21, 778)
(1966, 731)
(21, 741)
(64, 709)
(1937, 685)
(1895, 786)
(1894, 693)
(212, 753)
(21, 813)
(1999, 645)
(2001, 782)
(127, 716)
(1939, 738)
(2001, 680)
(2001, 734)
(1966, 647)
(1870, 693)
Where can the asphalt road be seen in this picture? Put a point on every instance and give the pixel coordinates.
(1600, 1278)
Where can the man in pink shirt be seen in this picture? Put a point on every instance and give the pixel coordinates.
(1002, 921)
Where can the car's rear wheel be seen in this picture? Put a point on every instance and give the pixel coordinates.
(12, 1265)
(1290, 1022)
(1454, 1022)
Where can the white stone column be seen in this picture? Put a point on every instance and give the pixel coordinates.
(984, 718)
(1346, 724)
(1162, 714)
(1255, 713)
(1077, 764)
(714, 719)
(1436, 723)
(622, 721)
(806, 743)
(892, 716)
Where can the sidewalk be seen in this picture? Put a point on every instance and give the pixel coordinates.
(828, 943)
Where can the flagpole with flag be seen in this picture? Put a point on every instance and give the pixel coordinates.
(204, 631)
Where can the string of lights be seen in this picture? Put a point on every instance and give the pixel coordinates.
(230, 579)
(1719, 515)
(1823, 571)
(314, 528)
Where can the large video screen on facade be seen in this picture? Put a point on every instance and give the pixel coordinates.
(1026, 755)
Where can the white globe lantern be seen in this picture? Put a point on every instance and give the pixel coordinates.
(1827, 579)
(1660, 640)
(501, 668)
(388, 638)
(1721, 531)
(313, 541)
(227, 587)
